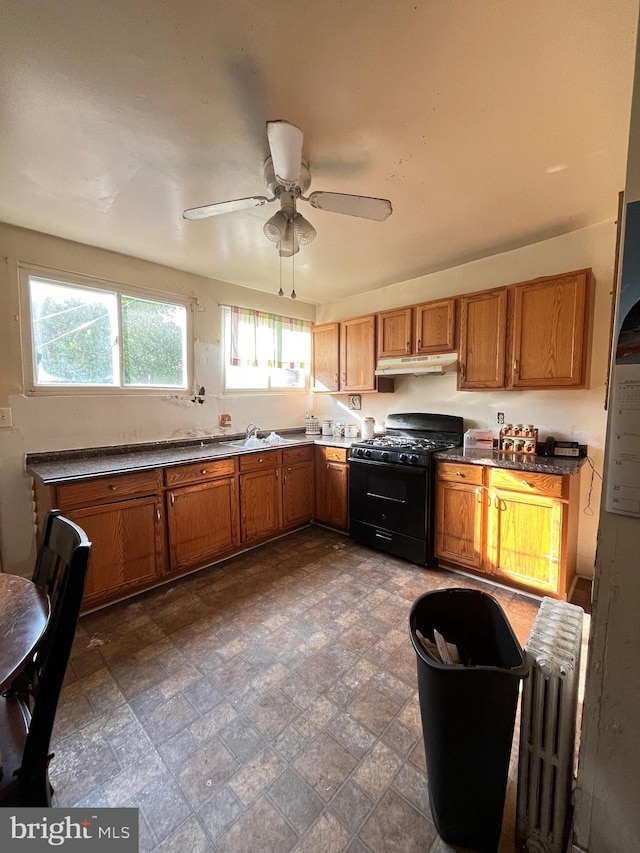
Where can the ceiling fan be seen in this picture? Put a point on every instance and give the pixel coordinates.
(287, 176)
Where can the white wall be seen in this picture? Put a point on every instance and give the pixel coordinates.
(608, 794)
(60, 423)
(577, 415)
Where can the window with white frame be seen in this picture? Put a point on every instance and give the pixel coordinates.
(265, 352)
(86, 334)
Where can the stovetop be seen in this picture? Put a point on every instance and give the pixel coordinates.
(410, 439)
(399, 449)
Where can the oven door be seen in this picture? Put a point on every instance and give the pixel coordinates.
(389, 508)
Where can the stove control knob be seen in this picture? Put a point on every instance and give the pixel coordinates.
(368, 454)
(403, 457)
(413, 459)
(357, 452)
(384, 456)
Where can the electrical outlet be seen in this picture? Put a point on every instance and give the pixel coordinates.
(500, 417)
(224, 421)
(5, 418)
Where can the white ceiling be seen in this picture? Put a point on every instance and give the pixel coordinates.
(489, 124)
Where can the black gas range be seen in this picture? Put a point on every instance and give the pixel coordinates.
(392, 484)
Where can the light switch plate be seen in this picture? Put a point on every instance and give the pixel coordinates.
(5, 418)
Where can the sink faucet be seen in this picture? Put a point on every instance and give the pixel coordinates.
(252, 430)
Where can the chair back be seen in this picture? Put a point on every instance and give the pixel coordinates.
(61, 568)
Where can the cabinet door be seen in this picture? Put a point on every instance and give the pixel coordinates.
(325, 353)
(127, 546)
(550, 339)
(395, 333)
(435, 327)
(483, 326)
(524, 539)
(203, 522)
(337, 494)
(297, 494)
(459, 523)
(357, 354)
(260, 498)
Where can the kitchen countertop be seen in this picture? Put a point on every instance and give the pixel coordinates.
(520, 462)
(63, 466)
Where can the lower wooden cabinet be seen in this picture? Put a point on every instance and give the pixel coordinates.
(518, 527)
(297, 486)
(460, 514)
(202, 512)
(276, 491)
(332, 487)
(123, 517)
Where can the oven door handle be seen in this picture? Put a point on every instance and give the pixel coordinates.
(385, 498)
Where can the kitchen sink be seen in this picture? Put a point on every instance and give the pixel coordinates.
(263, 444)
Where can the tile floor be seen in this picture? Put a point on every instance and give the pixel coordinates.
(265, 704)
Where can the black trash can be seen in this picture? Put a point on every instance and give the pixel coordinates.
(468, 712)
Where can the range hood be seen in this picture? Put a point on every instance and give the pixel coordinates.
(416, 364)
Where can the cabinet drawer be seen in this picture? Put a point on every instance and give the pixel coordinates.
(531, 482)
(297, 454)
(334, 454)
(108, 489)
(199, 472)
(460, 473)
(256, 461)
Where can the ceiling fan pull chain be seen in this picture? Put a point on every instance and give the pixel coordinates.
(293, 276)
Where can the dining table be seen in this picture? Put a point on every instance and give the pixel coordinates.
(24, 615)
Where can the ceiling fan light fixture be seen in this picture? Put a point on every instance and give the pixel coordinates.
(304, 230)
(289, 244)
(275, 227)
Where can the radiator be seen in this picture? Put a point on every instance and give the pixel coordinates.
(548, 727)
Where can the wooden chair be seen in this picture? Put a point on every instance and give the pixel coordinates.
(28, 708)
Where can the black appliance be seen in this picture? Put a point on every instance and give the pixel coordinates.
(392, 484)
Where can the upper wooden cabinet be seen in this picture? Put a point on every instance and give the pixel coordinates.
(357, 354)
(325, 354)
(535, 334)
(483, 327)
(417, 329)
(550, 332)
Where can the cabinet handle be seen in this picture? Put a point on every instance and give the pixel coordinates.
(408, 347)
(459, 474)
(496, 502)
(204, 471)
(171, 498)
(158, 514)
(479, 495)
(462, 370)
(419, 343)
(515, 367)
(344, 377)
(526, 483)
(277, 472)
(113, 488)
(336, 378)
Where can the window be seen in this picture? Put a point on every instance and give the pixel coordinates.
(88, 335)
(265, 351)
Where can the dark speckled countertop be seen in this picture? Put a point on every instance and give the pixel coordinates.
(520, 462)
(63, 466)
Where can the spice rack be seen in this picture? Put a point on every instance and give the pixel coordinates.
(518, 438)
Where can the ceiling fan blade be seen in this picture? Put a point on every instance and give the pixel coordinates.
(225, 207)
(352, 205)
(285, 143)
